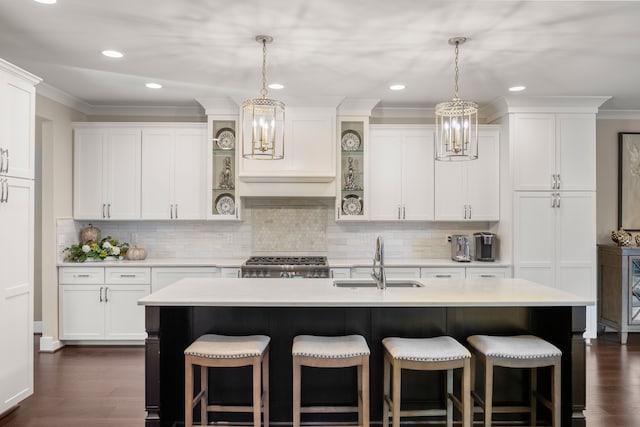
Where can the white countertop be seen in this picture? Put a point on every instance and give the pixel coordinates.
(483, 292)
(237, 262)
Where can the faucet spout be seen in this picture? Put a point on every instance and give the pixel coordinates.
(377, 270)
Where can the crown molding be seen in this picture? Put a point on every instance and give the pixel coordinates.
(618, 115)
(63, 98)
(70, 101)
(357, 106)
(19, 72)
(543, 104)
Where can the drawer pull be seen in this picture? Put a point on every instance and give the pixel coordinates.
(127, 275)
(443, 275)
(488, 275)
(81, 275)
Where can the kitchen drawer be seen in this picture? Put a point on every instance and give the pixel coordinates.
(479, 272)
(442, 273)
(392, 272)
(128, 275)
(81, 276)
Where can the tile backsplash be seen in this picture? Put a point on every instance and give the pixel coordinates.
(279, 226)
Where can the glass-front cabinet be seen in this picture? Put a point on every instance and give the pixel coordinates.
(634, 290)
(351, 203)
(223, 203)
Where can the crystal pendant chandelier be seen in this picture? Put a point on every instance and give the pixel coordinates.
(263, 120)
(457, 123)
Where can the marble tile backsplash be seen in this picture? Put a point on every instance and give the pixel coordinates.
(282, 226)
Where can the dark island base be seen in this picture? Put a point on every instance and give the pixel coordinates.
(172, 329)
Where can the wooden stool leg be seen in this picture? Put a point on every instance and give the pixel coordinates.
(296, 392)
(257, 392)
(533, 396)
(397, 374)
(360, 396)
(365, 391)
(204, 400)
(188, 392)
(488, 392)
(467, 409)
(555, 393)
(449, 402)
(265, 388)
(386, 387)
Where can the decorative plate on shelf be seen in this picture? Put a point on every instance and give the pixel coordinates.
(225, 139)
(350, 140)
(352, 205)
(225, 204)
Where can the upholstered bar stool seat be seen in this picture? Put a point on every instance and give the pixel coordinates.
(425, 354)
(222, 351)
(521, 351)
(331, 352)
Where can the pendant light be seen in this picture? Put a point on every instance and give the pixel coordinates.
(263, 120)
(457, 123)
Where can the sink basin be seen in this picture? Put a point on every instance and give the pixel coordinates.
(372, 284)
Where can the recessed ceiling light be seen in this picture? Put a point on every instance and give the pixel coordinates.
(276, 86)
(112, 53)
(46, 1)
(517, 88)
(397, 87)
(154, 85)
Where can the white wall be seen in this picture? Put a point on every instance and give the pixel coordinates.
(56, 200)
(607, 174)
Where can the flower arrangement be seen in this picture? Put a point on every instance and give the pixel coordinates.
(106, 247)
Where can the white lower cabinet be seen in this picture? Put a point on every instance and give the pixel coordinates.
(162, 277)
(102, 303)
(442, 272)
(488, 272)
(392, 272)
(341, 273)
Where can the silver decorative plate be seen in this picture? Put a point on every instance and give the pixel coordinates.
(350, 140)
(226, 139)
(352, 205)
(225, 204)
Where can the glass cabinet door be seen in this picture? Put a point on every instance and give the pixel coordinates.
(224, 203)
(352, 164)
(634, 290)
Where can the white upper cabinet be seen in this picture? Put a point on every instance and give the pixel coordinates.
(106, 175)
(309, 151)
(173, 182)
(554, 151)
(470, 190)
(401, 173)
(17, 125)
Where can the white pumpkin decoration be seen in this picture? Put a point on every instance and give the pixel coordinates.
(136, 254)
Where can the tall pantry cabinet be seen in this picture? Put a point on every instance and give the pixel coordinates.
(17, 144)
(553, 153)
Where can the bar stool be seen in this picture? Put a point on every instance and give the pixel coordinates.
(221, 351)
(522, 351)
(425, 354)
(331, 352)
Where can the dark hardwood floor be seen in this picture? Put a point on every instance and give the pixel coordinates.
(104, 387)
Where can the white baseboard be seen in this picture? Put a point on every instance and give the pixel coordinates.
(37, 327)
(49, 345)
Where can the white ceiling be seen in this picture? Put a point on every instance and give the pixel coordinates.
(346, 48)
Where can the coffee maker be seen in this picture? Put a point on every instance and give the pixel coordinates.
(460, 248)
(485, 246)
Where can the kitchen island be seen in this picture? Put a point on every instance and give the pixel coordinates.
(283, 308)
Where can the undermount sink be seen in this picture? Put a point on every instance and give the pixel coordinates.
(372, 284)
